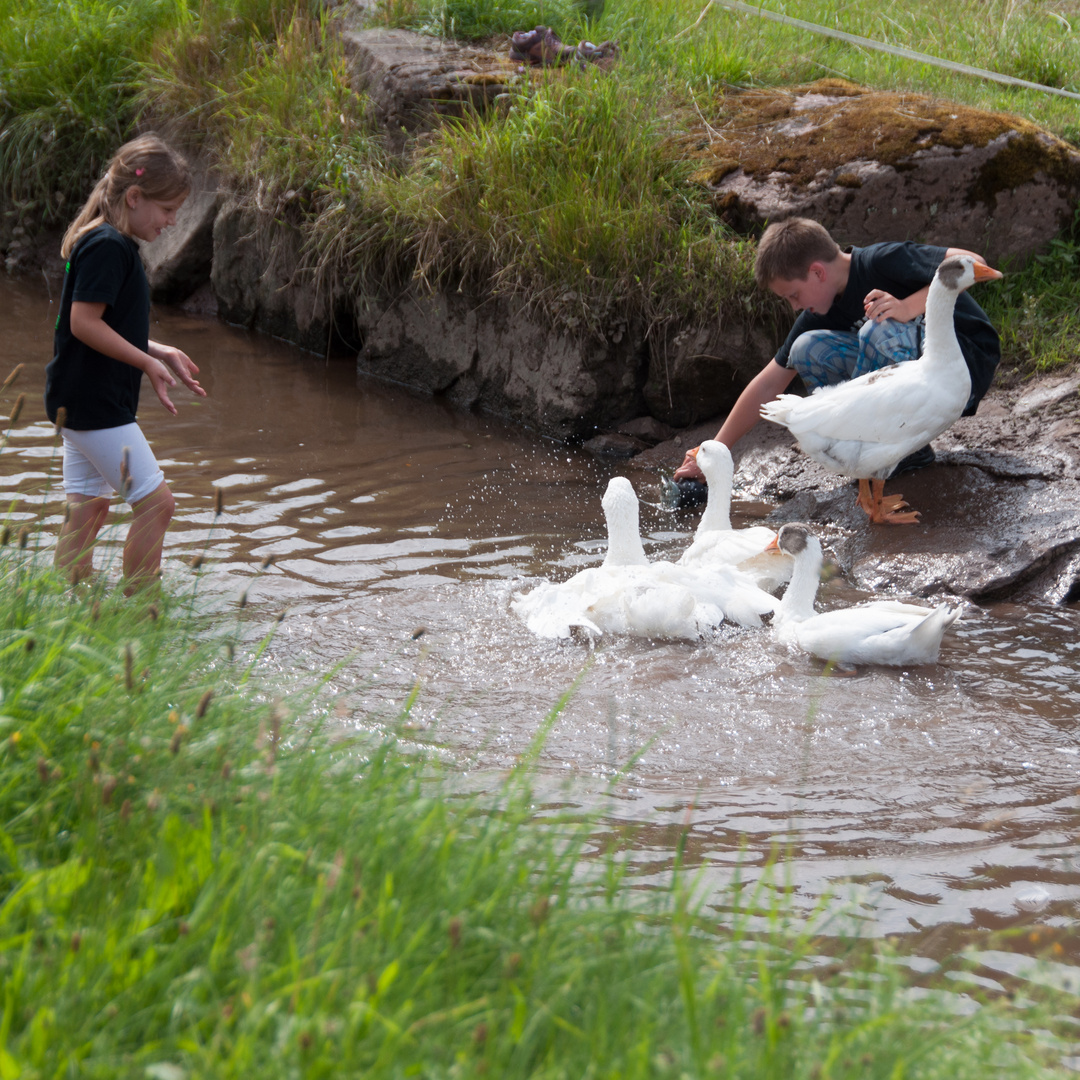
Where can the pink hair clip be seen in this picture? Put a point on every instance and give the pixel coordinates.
(139, 172)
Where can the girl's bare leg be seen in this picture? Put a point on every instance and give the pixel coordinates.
(142, 552)
(75, 545)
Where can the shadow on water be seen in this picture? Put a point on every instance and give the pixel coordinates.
(932, 801)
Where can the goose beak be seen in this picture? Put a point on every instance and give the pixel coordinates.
(773, 544)
(986, 273)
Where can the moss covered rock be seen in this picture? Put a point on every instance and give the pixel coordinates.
(873, 165)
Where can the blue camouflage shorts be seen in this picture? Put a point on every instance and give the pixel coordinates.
(827, 357)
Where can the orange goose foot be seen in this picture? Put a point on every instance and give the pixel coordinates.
(884, 509)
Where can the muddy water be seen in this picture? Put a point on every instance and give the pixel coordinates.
(940, 797)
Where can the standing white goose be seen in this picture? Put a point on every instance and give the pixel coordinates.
(715, 542)
(627, 594)
(880, 632)
(865, 427)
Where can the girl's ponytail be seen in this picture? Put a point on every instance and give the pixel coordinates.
(146, 163)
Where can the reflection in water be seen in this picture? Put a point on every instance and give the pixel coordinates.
(936, 797)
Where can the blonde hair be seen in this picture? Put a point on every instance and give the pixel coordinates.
(787, 248)
(147, 163)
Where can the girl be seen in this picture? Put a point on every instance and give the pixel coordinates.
(103, 347)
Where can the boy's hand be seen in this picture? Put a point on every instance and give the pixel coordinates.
(181, 364)
(689, 470)
(880, 305)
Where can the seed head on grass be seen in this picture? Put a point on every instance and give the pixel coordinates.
(61, 420)
(24, 537)
(5, 535)
(204, 704)
(125, 472)
(14, 374)
(219, 501)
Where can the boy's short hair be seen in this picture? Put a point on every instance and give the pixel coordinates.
(787, 248)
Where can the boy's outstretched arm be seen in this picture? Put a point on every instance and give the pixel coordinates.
(773, 379)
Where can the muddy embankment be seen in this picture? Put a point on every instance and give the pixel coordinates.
(1001, 508)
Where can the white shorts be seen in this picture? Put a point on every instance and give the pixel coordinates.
(93, 459)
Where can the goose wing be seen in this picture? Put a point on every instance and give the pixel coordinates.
(883, 406)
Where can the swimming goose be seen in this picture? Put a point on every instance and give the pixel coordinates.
(880, 632)
(716, 543)
(627, 594)
(865, 427)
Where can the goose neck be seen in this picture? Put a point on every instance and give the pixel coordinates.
(717, 514)
(798, 601)
(624, 541)
(940, 329)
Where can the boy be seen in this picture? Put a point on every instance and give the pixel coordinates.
(860, 310)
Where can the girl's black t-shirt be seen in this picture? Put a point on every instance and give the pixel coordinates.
(97, 391)
(901, 268)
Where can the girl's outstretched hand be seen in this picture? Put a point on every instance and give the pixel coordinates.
(181, 364)
(160, 380)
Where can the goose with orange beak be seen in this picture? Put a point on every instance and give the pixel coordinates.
(878, 632)
(865, 427)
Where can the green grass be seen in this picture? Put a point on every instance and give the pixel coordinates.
(70, 73)
(1036, 307)
(473, 19)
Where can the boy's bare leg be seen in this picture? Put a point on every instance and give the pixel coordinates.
(75, 545)
(142, 552)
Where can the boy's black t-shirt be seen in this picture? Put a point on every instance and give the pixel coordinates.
(97, 391)
(901, 269)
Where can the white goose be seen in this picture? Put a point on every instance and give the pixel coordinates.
(865, 427)
(629, 595)
(716, 543)
(880, 632)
